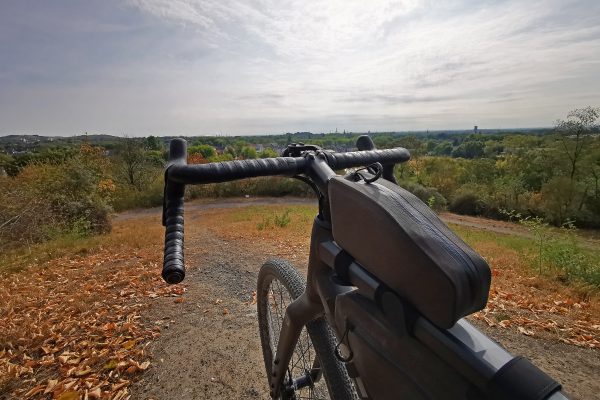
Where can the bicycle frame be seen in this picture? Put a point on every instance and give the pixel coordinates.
(334, 276)
(465, 349)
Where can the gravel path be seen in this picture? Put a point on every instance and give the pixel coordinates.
(210, 349)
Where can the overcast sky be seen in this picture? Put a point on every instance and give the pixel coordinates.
(194, 67)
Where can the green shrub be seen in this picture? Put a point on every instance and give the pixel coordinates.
(467, 203)
(127, 197)
(45, 201)
(264, 224)
(559, 251)
(428, 195)
(279, 220)
(282, 220)
(265, 186)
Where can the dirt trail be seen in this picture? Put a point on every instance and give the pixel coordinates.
(503, 227)
(209, 348)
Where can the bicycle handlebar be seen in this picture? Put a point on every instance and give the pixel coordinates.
(173, 267)
(178, 174)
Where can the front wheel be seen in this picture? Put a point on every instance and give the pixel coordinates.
(278, 285)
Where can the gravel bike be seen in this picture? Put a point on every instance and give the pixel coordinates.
(381, 312)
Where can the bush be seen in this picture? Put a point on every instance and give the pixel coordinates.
(127, 197)
(45, 201)
(428, 195)
(467, 203)
(265, 186)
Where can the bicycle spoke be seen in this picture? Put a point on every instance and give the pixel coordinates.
(302, 363)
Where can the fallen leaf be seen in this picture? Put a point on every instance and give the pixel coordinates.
(51, 384)
(70, 395)
(131, 370)
(112, 364)
(144, 366)
(524, 331)
(95, 394)
(128, 344)
(34, 391)
(83, 372)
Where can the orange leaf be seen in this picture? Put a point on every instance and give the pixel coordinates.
(34, 391)
(131, 370)
(51, 384)
(129, 344)
(70, 395)
(83, 372)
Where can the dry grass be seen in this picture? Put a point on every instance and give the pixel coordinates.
(520, 299)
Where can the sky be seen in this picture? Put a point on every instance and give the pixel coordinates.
(226, 67)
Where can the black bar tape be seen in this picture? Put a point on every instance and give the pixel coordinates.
(360, 158)
(238, 169)
(173, 265)
(286, 166)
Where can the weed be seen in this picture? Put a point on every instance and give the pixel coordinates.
(283, 220)
(431, 202)
(556, 251)
(539, 229)
(264, 224)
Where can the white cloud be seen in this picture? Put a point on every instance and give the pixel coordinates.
(268, 65)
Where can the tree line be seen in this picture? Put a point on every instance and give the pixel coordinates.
(71, 189)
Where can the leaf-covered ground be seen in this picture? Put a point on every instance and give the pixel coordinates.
(70, 328)
(531, 305)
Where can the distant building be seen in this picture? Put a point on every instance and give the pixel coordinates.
(475, 129)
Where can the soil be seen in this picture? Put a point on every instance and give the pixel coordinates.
(209, 346)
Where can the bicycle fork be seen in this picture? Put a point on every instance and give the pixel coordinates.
(301, 311)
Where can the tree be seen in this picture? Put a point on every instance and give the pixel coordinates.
(471, 149)
(153, 143)
(205, 150)
(248, 152)
(268, 153)
(231, 151)
(135, 167)
(442, 149)
(575, 132)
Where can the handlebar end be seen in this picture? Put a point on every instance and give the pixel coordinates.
(173, 277)
(364, 142)
(177, 151)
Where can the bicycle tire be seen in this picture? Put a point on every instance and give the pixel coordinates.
(316, 335)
